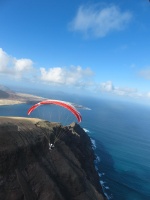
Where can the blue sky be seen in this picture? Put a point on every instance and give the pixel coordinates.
(84, 46)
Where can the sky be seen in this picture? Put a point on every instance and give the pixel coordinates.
(90, 47)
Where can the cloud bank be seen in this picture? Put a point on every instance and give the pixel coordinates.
(73, 76)
(23, 69)
(94, 21)
(108, 87)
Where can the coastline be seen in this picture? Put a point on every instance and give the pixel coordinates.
(7, 102)
(20, 98)
(97, 161)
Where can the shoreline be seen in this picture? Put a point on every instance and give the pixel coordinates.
(100, 174)
(9, 102)
(20, 98)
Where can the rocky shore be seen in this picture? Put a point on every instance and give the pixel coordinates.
(30, 169)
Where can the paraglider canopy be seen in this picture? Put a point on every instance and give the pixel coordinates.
(64, 104)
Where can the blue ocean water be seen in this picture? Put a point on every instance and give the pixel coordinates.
(120, 132)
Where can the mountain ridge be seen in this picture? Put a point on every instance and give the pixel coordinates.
(30, 170)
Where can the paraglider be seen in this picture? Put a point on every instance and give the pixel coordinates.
(59, 132)
(64, 104)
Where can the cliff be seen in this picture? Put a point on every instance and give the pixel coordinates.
(30, 170)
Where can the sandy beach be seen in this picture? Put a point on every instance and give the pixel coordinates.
(20, 98)
(9, 102)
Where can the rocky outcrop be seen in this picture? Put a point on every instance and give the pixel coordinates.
(30, 170)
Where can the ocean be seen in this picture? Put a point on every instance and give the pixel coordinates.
(120, 134)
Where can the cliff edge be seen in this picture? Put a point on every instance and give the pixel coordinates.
(31, 170)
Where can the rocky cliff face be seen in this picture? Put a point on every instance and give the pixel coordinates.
(29, 170)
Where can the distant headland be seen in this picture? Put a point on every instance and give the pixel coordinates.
(9, 97)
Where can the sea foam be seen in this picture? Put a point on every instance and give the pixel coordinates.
(86, 130)
(103, 183)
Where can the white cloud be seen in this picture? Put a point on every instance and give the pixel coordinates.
(124, 92)
(64, 76)
(121, 91)
(4, 61)
(106, 86)
(98, 22)
(75, 76)
(53, 75)
(14, 67)
(22, 65)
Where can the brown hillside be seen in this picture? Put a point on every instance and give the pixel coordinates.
(30, 170)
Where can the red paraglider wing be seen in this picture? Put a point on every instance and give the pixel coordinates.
(60, 103)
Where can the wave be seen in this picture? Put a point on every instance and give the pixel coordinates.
(93, 144)
(80, 106)
(105, 188)
(86, 130)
